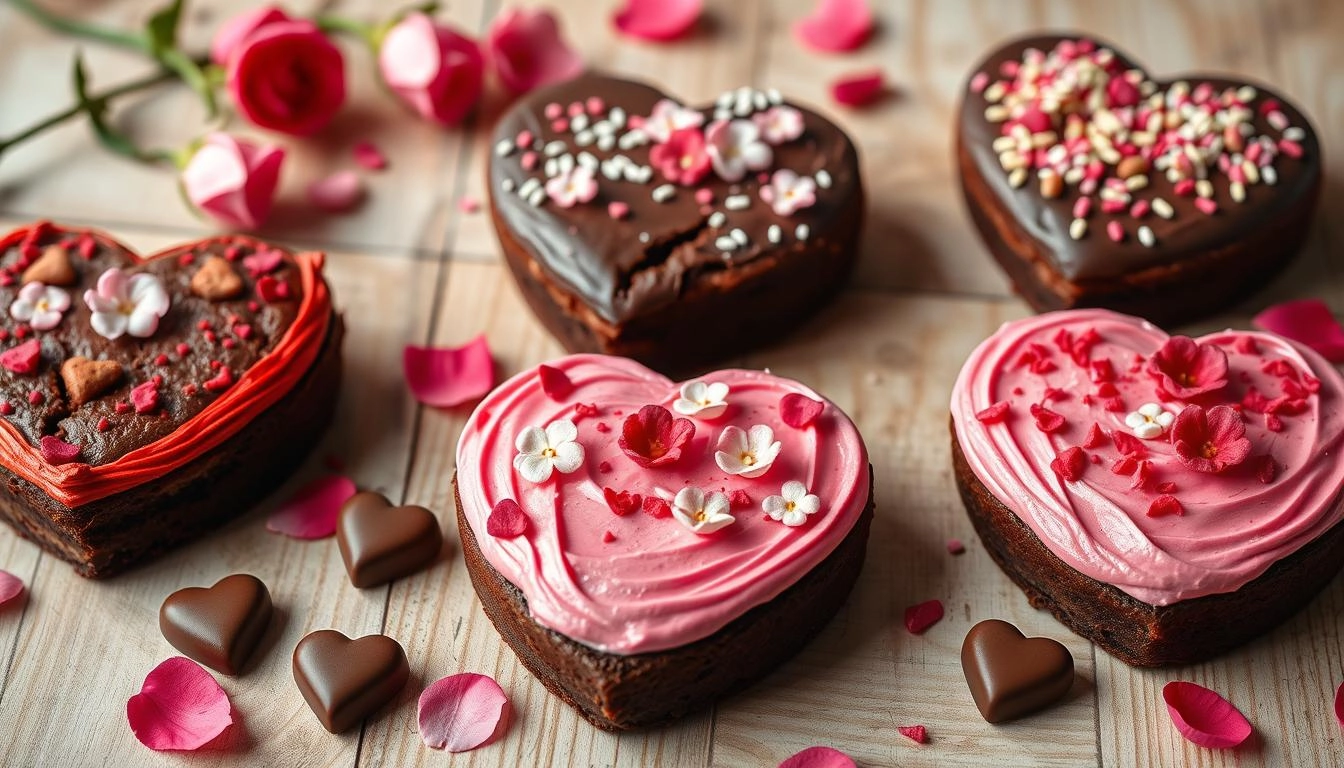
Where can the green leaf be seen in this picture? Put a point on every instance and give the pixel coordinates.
(161, 30)
(96, 110)
(194, 75)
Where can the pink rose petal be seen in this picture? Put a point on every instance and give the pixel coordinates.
(1204, 717)
(262, 263)
(858, 90)
(526, 50)
(836, 25)
(819, 757)
(312, 511)
(554, 382)
(180, 707)
(657, 19)
(462, 712)
(338, 192)
(11, 586)
(799, 411)
(1308, 321)
(367, 155)
(447, 376)
(919, 618)
(468, 204)
(1339, 704)
(507, 520)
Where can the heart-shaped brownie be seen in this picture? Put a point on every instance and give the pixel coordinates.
(1011, 675)
(344, 680)
(1095, 185)
(380, 542)
(133, 387)
(219, 626)
(646, 547)
(673, 235)
(1168, 498)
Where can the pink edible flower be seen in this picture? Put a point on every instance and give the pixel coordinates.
(653, 438)
(577, 185)
(288, 77)
(1210, 441)
(432, 67)
(41, 306)
(1185, 368)
(788, 192)
(526, 50)
(233, 181)
(126, 304)
(735, 147)
(668, 117)
(779, 124)
(683, 158)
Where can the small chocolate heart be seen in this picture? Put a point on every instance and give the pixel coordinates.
(216, 280)
(86, 379)
(346, 680)
(380, 542)
(1011, 675)
(51, 268)
(219, 626)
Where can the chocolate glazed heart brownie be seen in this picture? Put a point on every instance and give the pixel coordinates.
(145, 400)
(673, 235)
(646, 549)
(1096, 185)
(1167, 498)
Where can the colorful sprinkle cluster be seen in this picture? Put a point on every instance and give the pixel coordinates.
(1085, 124)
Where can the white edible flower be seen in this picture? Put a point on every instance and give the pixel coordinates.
(735, 147)
(1150, 421)
(41, 306)
(793, 505)
(702, 514)
(669, 116)
(702, 400)
(541, 451)
(126, 304)
(748, 454)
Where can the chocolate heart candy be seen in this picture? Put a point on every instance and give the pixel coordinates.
(1096, 185)
(344, 680)
(1010, 675)
(219, 626)
(380, 542)
(630, 240)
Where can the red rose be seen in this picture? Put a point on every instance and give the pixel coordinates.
(287, 77)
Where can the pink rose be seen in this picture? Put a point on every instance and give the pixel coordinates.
(233, 181)
(526, 50)
(288, 77)
(239, 28)
(432, 67)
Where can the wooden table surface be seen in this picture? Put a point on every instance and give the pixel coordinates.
(410, 267)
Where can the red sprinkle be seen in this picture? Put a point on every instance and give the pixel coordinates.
(222, 381)
(204, 325)
(36, 397)
(1095, 437)
(555, 383)
(955, 547)
(145, 397)
(1165, 505)
(1167, 487)
(229, 343)
(1273, 423)
(656, 507)
(182, 350)
(994, 413)
(160, 359)
(210, 336)
(602, 427)
(585, 409)
(608, 537)
(1070, 463)
(604, 467)
(1129, 445)
(104, 424)
(739, 498)
(921, 616)
(1046, 419)
(621, 503)
(186, 259)
(5, 408)
(189, 389)
(122, 407)
(916, 733)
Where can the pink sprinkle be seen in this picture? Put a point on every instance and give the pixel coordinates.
(1081, 207)
(1140, 209)
(104, 424)
(5, 408)
(189, 389)
(1254, 151)
(231, 253)
(122, 407)
(204, 325)
(182, 350)
(253, 306)
(161, 359)
(528, 160)
(916, 733)
(560, 125)
(608, 537)
(369, 156)
(36, 397)
(1290, 148)
(553, 110)
(704, 196)
(186, 259)
(955, 547)
(1206, 205)
(575, 108)
(1113, 206)
(1185, 187)
(469, 204)
(595, 105)
(210, 336)
(980, 82)
(920, 617)
(229, 343)
(242, 331)
(618, 210)
(524, 139)
(1115, 231)
(145, 397)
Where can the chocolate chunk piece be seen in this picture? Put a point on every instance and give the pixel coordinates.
(216, 280)
(380, 542)
(86, 379)
(1010, 675)
(51, 268)
(344, 680)
(219, 626)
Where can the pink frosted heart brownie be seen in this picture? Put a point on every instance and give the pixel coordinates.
(1168, 498)
(647, 547)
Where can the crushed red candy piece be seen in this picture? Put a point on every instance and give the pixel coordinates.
(1311, 383)
(229, 343)
(145, 397)
(160, 359)
(739, 498)
(5, 408)
(622, 503)
(1141, 474)
(221, 381)
(955, 547)
(608, 537)
(210, 336)
(1125, 465)
(215, 365)
(1165, 505)
(189, 389)
(122, 406)
(253, 306)
(203, 325)
(1114, 405)
(36, 397)
(602, 427)
(272, 290)
(656, 507)
(554, 382)
(1166, 487)
(1046, 419)
(1246, 345)
(1095, 436)
(1273, 423)
(1070, 463)
(1102, 371)
(22, 359)
(1254, 402)
(916, 733)
(921, 616)
(242, 331)
(585, 409)
(1107, 389)
(1129, 445)
(1052, 394)
(22, 331)
(604, 467)
(1265, 469)
(56, 451)
(1279, 367)
(104, 424)
(994, 413)
(182, 350)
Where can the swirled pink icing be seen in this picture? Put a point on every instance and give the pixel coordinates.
(1235, 524)
(652, 584)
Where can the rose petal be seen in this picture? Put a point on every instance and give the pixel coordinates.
(338, 192)
(462, 712)
(657, 19)
(507, 520)
(1339, 704)
(11, 586)
(920, 617)
(180, 707)
(555, 382)
(836, 25)
(1204, 717)
(312, 511)
(819, 757)
(799, 411)
(23, 358)
(526, 50)
(447, 376)
(1308, 321)
(859, 89)
(367, 155)
(56, 451)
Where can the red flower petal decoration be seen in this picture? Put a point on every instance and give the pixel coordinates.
(447, 376)
(1204, 717)
(338, 192)
(11, 586)
(994, 413)
(312, 511)
(1210, 441)
(858, 90)
(622, 503)
(56, 451)
(369, 156)
(657, 508)
(1046, 419)
(555, 382)
(180, 707)
(507, 520)
(836, 25)
(1129, 445)
(739, 498)
(525, 49)
(659, 20)
(1070, 463)
(1185, 368)
(462, 712)
(799, 411)
(23, 358)
(819, 757)
(1339, 704)
(1165, 505)
(921, 616)
(652, 438)
(1308, 321)
(916, 733)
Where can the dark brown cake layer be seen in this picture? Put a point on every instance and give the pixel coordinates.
(105, 537)
(1135, 632)
(615, 692)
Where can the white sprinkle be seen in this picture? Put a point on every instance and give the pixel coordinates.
(617, 117)
(725, 243)
(631, 139)
(1269, 175)
(663, 193)
(1238, 191)
(578, 123)
(588, 160)
(528, 187)
(1246, 93)
(1078, 228)
(1137, 181)
(774, 234)
(1147, 237)
(504, 147)
(802, 231)
(643, 237)
(995, 92)
(507, 185)
(1204, 188)
(823, 179)
(1278, 120)
(717, 218)
(632, 173)
(740, 237)
(584, 138)
(1162, 208)
(643, 174)
(1294, 133)
(552, 168)
(603, 128)
(996, 113)
(554, 148)
(723, 114)
(606, 143)
(537, 197)
(725, 99)
(612, 168)
(1017, 178)
(774, 96)
(759, 101)
(566, 162)
(737, 202)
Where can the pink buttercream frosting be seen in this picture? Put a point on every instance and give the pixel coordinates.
(1235, 524)
(652, 584)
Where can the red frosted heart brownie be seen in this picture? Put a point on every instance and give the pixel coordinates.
(646, 548)
(671, 234)
(1168, 498)
(1097, 185)
(145, 400)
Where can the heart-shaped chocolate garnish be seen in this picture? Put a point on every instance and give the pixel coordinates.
(344, 680)
(1010, 675)
(219, 626)
(1096, 185)
(639, 227)
(380, 542)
